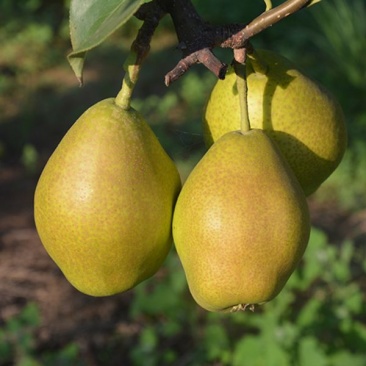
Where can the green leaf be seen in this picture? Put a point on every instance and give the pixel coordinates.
(216, 342)
(247, 350)
(91, 22)
(347, 358)
(76, 61)
(313, 2)
(314, 263)
(311, 353)
(30, 315)
(259, 351)
(309, 313)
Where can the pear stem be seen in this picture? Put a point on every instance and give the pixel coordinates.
(132, 68)
(269, 5)
(258, 64)
(242, 85)
(151, 13)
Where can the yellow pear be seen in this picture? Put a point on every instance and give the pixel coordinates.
(241, 223)
(104, 201)
(300, 115)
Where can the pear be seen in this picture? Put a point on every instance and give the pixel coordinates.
(304, 119)
(103, 204)
(241, 223)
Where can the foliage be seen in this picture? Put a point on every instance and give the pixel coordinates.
(343, 29)
(18, 342)
(31, 23)
(344, 26)
(350, 173)
(92, 23)
(318, 319)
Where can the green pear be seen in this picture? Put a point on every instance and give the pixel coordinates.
(104, 202)
(241, 223)
(300, 115)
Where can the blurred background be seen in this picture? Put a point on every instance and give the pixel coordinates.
(319, 318)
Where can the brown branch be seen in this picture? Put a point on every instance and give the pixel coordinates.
(151, 14)
(197, 38)
(204, 56)
(264, 21)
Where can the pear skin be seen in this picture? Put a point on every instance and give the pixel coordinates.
(103, 204)
(304, 119)
(241, 223)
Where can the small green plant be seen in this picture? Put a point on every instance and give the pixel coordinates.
(347, 185)
(319, 319)
(326, 328)
(18, 343)
(348, 39)
(17, 337)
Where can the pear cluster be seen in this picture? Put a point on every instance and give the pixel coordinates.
(241, 222)
(109, 202)
(300, 115)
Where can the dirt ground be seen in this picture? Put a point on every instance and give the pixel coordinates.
(27, 274)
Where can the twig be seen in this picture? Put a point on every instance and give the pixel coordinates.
(151, 13)
(197, 38)
(264, 21)
(204, 56)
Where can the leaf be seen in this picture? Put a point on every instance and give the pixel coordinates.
(216, 341)
(313, 2)
(314, 263)
(344, 357)
(259, 350)
(309, 313)
(247, 350)
(76, 61)
(311, 353)
(91, 22)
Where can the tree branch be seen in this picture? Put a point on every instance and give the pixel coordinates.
(197, 38)
(151, 14)
(204, 56)
(264, 21)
